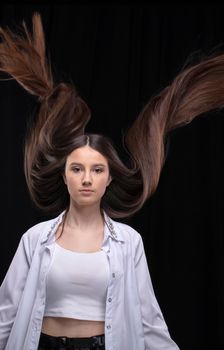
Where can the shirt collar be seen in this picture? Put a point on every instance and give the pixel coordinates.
(50, 235)
(111, 229)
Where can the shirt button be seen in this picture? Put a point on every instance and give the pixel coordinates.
(110, 299)
(113, 275)
(108, 326)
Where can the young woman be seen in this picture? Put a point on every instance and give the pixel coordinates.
(81, 280)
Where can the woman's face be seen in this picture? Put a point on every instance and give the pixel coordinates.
(86, 176)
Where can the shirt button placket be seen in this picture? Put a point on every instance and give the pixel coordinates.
(109, 308)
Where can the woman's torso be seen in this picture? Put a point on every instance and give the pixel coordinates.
(71, 327)
(68, 327)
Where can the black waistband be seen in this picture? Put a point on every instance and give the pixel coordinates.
(51, 341)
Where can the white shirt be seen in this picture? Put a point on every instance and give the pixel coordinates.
(133, 319)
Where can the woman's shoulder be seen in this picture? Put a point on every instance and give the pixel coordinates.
(41, 229)
(39, 226)
(127, 232)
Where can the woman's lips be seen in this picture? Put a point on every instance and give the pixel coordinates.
(86, 191)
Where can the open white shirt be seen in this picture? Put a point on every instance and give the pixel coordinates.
(133, 319)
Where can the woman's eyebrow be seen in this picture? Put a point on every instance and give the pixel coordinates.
(96, 164)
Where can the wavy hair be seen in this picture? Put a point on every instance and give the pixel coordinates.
(63, 115)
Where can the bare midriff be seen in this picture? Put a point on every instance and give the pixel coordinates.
(69, 327)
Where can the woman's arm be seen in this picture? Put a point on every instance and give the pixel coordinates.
(155, 329)
(12, 288)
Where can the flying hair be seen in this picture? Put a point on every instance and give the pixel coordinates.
(194, 91)
(61, 110)
(87, 140)
(63, 116)
(24, 59)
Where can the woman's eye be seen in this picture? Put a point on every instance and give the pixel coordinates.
(76, 170)
(98, 170)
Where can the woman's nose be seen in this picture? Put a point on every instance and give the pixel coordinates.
(87, 178)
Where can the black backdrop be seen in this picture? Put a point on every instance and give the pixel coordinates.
(118, 55)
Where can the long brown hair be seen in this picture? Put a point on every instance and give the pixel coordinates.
(63, 115)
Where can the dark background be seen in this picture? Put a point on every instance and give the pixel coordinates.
(119, 54)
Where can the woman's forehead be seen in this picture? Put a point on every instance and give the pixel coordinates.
(86, 154)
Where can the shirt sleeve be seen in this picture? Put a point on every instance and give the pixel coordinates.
(11, 290)
(156, 332)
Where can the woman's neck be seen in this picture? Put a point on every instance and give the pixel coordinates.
(84, 218)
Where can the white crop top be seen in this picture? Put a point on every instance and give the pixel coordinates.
(76, 285)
